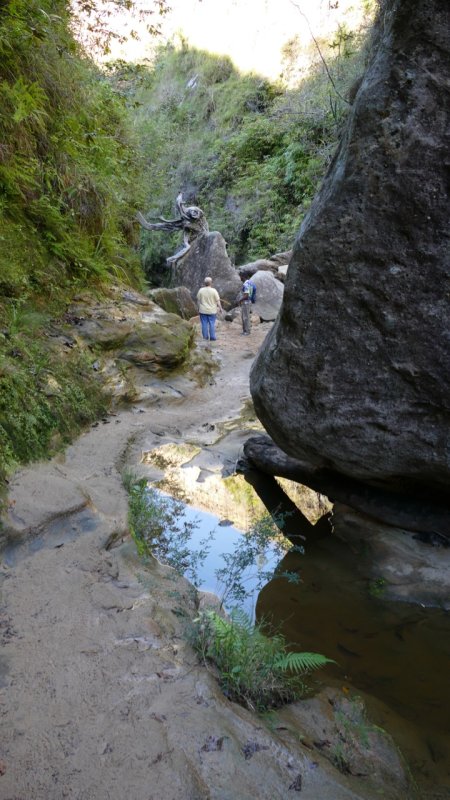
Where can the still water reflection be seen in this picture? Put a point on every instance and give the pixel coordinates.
(224, 540)
(397, 653)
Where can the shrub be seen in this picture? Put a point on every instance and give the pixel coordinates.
(255, 670)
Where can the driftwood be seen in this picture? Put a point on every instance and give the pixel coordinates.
(399, 510)
(192, 222)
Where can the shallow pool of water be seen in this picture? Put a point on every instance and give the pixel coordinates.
(223, 538)
(397, 653)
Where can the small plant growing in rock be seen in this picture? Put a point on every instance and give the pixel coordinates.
(255, 670)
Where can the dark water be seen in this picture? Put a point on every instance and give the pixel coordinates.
(395, 653)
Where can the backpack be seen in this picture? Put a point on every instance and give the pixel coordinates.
(250, 286)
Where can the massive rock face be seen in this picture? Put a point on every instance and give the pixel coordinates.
(355, 375)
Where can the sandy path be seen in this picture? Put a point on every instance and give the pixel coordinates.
(100, 697)
(90, 470)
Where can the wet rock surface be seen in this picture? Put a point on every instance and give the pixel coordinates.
(406, 566)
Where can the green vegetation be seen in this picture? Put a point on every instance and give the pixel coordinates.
(255, 670)
(377, 587)
(38, 411)
(67, 170)
(81, 151)
(261, 546)
(248, 151)
(69, 185)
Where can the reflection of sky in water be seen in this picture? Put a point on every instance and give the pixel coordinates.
(224, 540)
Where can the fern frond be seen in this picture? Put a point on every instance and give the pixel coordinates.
(302, 662)
(241, 619)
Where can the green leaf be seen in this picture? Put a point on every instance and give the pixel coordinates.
(302, 662)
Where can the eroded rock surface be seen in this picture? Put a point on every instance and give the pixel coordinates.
(131, 337)
(269, 295)
(356, 372)
(337, 726)
(208, 256)
(175, 301)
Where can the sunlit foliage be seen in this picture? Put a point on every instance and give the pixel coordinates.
(249, 151)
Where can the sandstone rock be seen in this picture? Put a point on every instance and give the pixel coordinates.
(132, 336)
(396, 563)
(339, 729)
(269, 295)
(175, 301)
(208, 256)
(158, 343)
(359, 354)
(273, 264)
(104, 333)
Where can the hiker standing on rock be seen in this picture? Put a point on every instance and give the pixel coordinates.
(209, 305)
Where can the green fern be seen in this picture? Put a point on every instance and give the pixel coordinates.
(254, 669)
(302, 663)
(240, 618)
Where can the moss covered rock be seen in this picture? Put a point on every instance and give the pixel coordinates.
(175, 301)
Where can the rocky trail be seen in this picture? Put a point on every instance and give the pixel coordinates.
(101, 698)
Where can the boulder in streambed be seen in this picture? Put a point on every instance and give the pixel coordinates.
(360, 352)
(269, 295)
(208, 257)
(158, 343)
(131, 336)
(175, 301)
(133, 328)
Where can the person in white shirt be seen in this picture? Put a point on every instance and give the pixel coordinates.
(209, 304)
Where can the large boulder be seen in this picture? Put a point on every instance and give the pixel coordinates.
(175, 301)
(360, 356)
(269, 295)
(273, 264)
(129, 337)
(208, 256)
